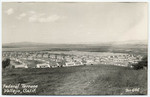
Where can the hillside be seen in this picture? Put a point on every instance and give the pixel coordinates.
(80, 80)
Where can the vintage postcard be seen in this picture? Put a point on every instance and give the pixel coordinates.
(74, 48)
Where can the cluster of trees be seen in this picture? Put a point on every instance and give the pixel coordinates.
(5, 63)
(142, 64)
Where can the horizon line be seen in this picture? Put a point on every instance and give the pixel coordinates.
(74, 42)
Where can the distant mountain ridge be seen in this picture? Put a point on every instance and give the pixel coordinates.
(116, 47)
(133, 42)
(34, 44)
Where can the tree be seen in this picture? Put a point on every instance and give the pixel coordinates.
(5, 63)
(141, 64)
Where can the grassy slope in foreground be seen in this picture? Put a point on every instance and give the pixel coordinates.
(81, 80)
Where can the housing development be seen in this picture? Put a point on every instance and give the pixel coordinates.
(46, 59)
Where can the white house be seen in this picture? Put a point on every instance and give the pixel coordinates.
(78, 63)
(20, 66)
(43, 65)
(89, 62)
(70, 63)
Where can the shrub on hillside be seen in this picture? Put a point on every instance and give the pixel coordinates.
(141, 64)
(5, 63)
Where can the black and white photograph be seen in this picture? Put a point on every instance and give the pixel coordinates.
(74, 48)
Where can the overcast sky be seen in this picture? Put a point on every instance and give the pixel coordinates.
(73, 22)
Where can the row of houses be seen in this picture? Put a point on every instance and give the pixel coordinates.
(64, 60)
(52, 64)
